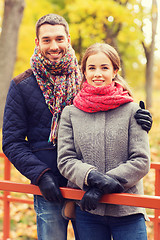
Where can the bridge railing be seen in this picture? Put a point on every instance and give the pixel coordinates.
(146, 201)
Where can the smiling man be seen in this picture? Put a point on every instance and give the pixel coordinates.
(33, 107)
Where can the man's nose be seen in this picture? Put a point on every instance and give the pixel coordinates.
(54, 45)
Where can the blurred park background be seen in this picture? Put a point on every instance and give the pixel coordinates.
(131, 26)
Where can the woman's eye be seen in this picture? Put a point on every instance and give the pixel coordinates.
(105, 68)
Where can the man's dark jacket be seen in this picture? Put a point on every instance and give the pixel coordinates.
(26, 129)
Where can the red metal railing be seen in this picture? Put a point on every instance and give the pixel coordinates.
(145, 201)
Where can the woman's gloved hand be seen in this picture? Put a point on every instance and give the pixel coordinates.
(144, 117)
(106, 183)
(49, 188)
(90, 199)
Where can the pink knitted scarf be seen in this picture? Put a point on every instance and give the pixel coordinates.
(94, 99)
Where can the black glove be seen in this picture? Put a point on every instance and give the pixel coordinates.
(91, 199)
(49, 187)
(143, 117)
(108, 184)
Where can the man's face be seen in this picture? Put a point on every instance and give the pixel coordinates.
(53, 41)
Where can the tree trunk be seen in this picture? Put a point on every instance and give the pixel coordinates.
(149, 52)
(149, 78)
(13, 12)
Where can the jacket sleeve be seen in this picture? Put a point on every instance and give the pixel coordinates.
(138, 162)
(69, 165)
(15, 145)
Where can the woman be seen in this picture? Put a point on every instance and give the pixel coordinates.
(101, 149)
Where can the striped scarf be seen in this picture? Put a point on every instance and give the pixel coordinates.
(59, 82)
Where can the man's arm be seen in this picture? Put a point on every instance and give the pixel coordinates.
(15, 145)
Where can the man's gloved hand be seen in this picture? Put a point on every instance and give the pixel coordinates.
(49, 187)
(108, 184)
(144, 117)
(91, 199)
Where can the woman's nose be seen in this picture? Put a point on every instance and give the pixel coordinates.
(97, 73)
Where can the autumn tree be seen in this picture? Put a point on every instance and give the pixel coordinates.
(13, 12)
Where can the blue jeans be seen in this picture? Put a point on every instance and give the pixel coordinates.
(50, 223)
(93, 227)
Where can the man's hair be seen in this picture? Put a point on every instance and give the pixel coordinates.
(53, 19)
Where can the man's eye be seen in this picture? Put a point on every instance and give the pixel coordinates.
(46, 41)
(60, 39)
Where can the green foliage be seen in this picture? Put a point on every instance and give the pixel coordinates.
(58, 3)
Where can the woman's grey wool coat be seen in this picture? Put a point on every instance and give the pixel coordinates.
(113, 142)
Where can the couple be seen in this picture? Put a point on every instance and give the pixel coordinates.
(92, 139)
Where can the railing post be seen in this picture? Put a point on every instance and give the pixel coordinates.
(157, 212)
(6, 216)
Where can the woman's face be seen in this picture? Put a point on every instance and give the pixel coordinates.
(99, 70)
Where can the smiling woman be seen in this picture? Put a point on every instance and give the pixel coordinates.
(102, 150)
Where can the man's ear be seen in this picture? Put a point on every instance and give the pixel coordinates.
(36, 42)
(69, 39)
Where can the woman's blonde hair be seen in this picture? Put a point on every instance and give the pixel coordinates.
(112, 54)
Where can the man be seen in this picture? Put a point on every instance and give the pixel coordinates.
(34, 103)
